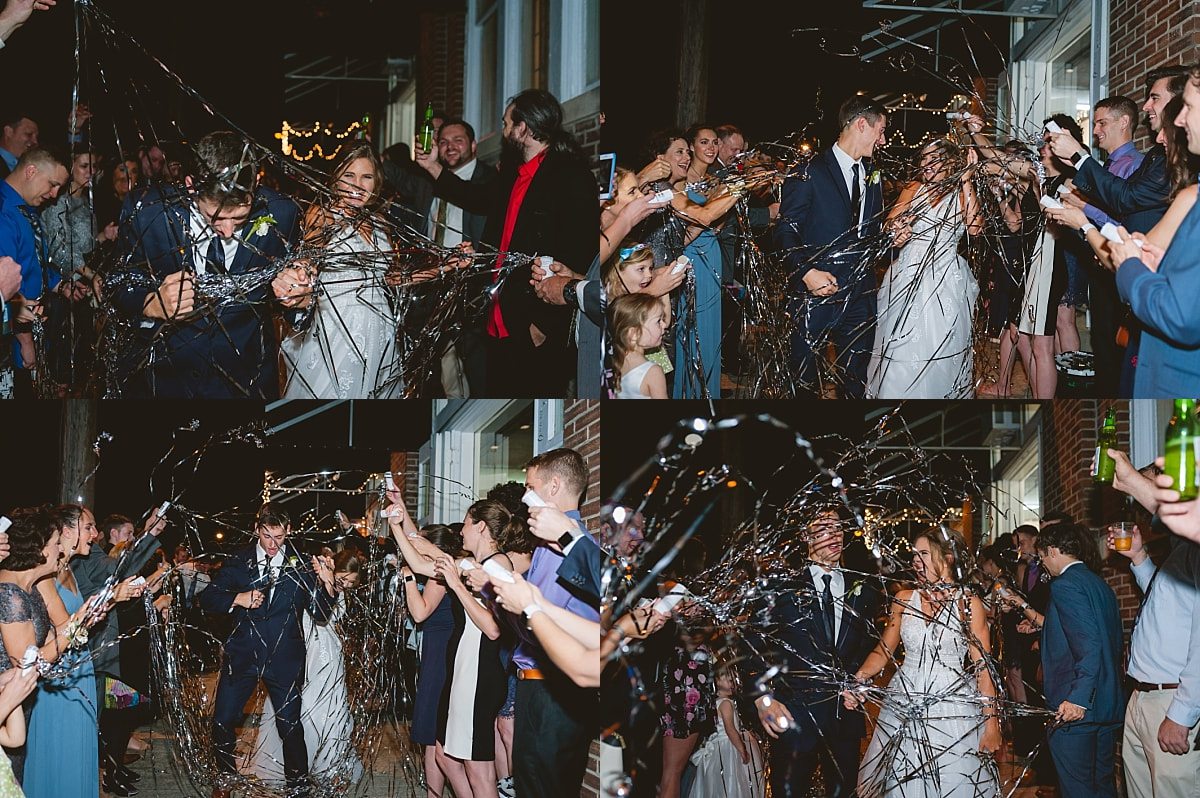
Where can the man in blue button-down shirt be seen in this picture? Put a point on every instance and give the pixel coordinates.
(1162, 721)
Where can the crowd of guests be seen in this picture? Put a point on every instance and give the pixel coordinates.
(1018, 653)
(101, 298)
(73, 680)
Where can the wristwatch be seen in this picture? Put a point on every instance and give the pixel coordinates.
(1087, 226)
(569, 537)
(569, 292)
(1079, 156)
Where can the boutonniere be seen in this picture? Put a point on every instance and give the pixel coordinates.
(858, 586)
(260, 225)
(292, 562)
(874, 178)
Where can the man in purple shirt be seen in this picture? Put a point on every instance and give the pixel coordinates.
(555, 719)
(1116, 119)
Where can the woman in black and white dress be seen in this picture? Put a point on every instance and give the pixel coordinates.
(477, 684)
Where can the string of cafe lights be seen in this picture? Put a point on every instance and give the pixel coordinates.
(287, 133)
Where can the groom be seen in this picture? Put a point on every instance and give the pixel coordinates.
(825, 630)
(827, 217)
(267, 587)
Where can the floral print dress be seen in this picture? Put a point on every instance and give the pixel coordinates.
(688, 693)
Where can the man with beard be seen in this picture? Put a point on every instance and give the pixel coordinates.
(543, 203)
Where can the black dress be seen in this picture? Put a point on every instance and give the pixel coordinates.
(476, 686)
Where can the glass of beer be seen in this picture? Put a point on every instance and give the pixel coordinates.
(1122, 532)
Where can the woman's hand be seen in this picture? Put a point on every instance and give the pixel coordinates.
(1067, 216)
(447, 570)
(128, 590)
(323, 566)
(852, 698)
(991, 740)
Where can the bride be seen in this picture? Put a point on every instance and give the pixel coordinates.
(349, 349)
(927, 301)
(324, 703)
(938, 716)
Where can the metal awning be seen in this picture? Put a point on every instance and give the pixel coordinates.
(924, 17)
(304, 75)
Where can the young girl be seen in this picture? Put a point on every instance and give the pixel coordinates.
(729, 764)
(630, 273)
(637, 323)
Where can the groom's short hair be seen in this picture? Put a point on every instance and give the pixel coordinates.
(858, 106)
(272, 514)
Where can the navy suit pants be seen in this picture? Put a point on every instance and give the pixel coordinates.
(283, 686)
(846, 319)
(1085, 756)
(792, 768)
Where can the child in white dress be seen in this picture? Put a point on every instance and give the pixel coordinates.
(730, 763)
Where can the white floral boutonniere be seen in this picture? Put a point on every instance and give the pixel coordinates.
(293, 561)
(875, 177)
(858, 586)
(260, 225)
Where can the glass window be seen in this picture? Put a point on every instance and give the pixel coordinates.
(488, 22)
(505, 446)
(1018, 492)
(1070, 74)
(592, 65)
(535, 57)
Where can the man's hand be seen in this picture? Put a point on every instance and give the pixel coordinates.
(1064, 145)
(536, 335)
(1121, 252)
(550, 290)
(109, 233)
(774, 716)
(77, 118)
(175, 297)
(1137, 549)
(251, 599)
(28, 356)
(517, 595)
(17, 12)
(293, 285)
(429, 161)
(549, 523)
(1072, 199)
(1182, 518)
(666, 280)
(1173, 738)
(127, 590)
(475, 578)
(26, 311)
(1068, 712)
(10, 278)
(155, 523)
(820, 283)
(1151, 254)
(323, 567)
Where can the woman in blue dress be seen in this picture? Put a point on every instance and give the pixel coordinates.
(698, 346)
(431, 607)
(65, 715)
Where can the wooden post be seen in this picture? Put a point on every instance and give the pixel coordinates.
(693, 62)
(968, 521)
(77, 458)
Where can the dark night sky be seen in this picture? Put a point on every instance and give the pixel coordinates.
(228, 476)
(762, 76)
(230, 51)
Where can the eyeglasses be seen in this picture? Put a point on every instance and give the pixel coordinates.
(625, 253)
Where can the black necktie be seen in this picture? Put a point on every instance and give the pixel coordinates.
(267, 581)
(216, 256)
(827, 606)
(855, 195)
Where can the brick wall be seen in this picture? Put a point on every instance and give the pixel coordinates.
(440, 61)
(1068, 440)
(405, 467)
(581, 432)
(1145, 35)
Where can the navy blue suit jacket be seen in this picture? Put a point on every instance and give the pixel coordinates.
(1169, 354)
(232, 353)
(1139, 200)
(1082, 646)
(807, 689)
(816, 224)
(269, 637)
(580, 570)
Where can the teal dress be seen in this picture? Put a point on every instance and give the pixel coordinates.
(705, 254)
(63, 726)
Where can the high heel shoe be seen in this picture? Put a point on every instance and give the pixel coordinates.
(114, 786)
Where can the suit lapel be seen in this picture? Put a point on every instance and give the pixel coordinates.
(839, 180)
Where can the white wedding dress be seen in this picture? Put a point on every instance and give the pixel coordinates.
(926, 741)
(324, 711)
(926, 308)
(349, 349)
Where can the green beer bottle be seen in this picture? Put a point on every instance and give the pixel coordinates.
(1183, 437)
(1103, 467)
(425, 139)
